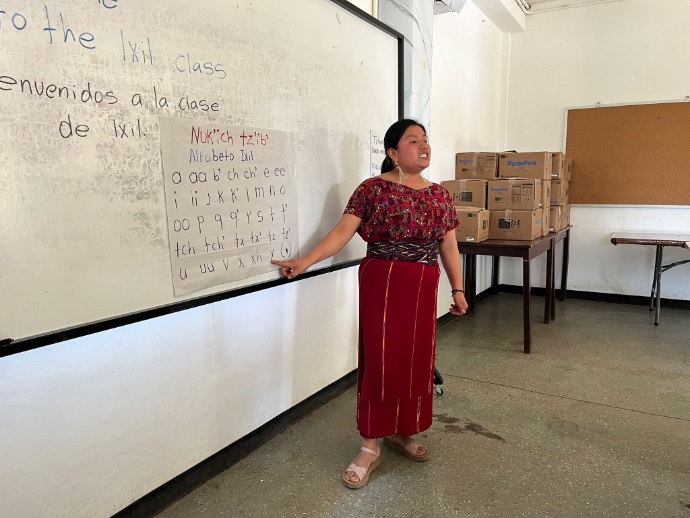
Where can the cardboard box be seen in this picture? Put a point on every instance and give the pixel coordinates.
(545, 218)
(559, 192)
(569, 169)
(546, 206)
(560, 217)
(467, 193)
(525, 165)
(545, 194)
(517, 225)
(514, 193)
(482, 166)
(474, 224)
(566, 215)
(559, 165)
(556, 221)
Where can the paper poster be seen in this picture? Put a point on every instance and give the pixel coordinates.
(378, 153)
(231, 201)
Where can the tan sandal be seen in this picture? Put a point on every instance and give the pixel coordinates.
(362, 473)
(409, 451)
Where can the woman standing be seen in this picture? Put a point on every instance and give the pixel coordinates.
(407, 222)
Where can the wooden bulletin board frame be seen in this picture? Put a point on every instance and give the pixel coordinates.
(633, 154)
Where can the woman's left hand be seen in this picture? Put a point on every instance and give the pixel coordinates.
(459, 306)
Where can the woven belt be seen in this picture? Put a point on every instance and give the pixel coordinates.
(425, 252)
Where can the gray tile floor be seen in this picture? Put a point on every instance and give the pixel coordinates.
(595, 422)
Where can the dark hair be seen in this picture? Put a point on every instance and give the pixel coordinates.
(392, 138)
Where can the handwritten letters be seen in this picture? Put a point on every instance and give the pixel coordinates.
(230, 198)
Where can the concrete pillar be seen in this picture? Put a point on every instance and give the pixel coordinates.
(414, 19)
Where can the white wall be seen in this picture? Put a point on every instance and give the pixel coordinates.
(613, 53)
(467, 101)
(90, 425)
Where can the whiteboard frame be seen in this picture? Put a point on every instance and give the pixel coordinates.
(8, 346)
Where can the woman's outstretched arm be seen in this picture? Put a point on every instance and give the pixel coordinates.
(330, 245)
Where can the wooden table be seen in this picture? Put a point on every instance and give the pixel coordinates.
(528, 250)
(660, 241)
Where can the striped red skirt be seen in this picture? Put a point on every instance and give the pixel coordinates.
(397, 345)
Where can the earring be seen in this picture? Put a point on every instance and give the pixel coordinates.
(402, 175)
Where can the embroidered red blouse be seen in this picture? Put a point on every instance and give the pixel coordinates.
(394, 212)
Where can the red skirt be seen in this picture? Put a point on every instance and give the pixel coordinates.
(397, 345)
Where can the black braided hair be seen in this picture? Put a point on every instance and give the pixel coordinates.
(392, 138)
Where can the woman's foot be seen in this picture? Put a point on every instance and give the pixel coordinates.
(407, 446)
(357, 473)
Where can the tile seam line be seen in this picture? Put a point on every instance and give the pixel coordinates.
(568, 398)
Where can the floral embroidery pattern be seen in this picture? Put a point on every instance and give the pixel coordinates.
(395, 212)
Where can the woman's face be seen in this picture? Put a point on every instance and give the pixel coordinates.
(414, 152)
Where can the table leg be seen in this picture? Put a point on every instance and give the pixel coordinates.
(526, 313)
(495, 273)
(466, 278)
(564, 269)
(553, 285)
(465, 284)
(553, 282)
(548, 301)
(657, 274)
(657, 266)
(471, 281)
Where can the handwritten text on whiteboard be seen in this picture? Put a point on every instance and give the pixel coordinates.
(378, 153)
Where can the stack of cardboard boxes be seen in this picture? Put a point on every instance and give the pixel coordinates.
(561, 174)
(472, 173)
(517, 196)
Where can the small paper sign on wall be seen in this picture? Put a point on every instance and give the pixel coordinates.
(378, 153)
(231, 201)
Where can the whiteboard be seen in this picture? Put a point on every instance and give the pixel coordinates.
(83, 231)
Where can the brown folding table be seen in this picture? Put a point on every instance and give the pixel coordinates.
(660, 240)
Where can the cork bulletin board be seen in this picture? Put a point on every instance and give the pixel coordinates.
(630, 155)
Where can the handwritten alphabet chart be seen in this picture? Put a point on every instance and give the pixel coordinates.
(231, 201)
